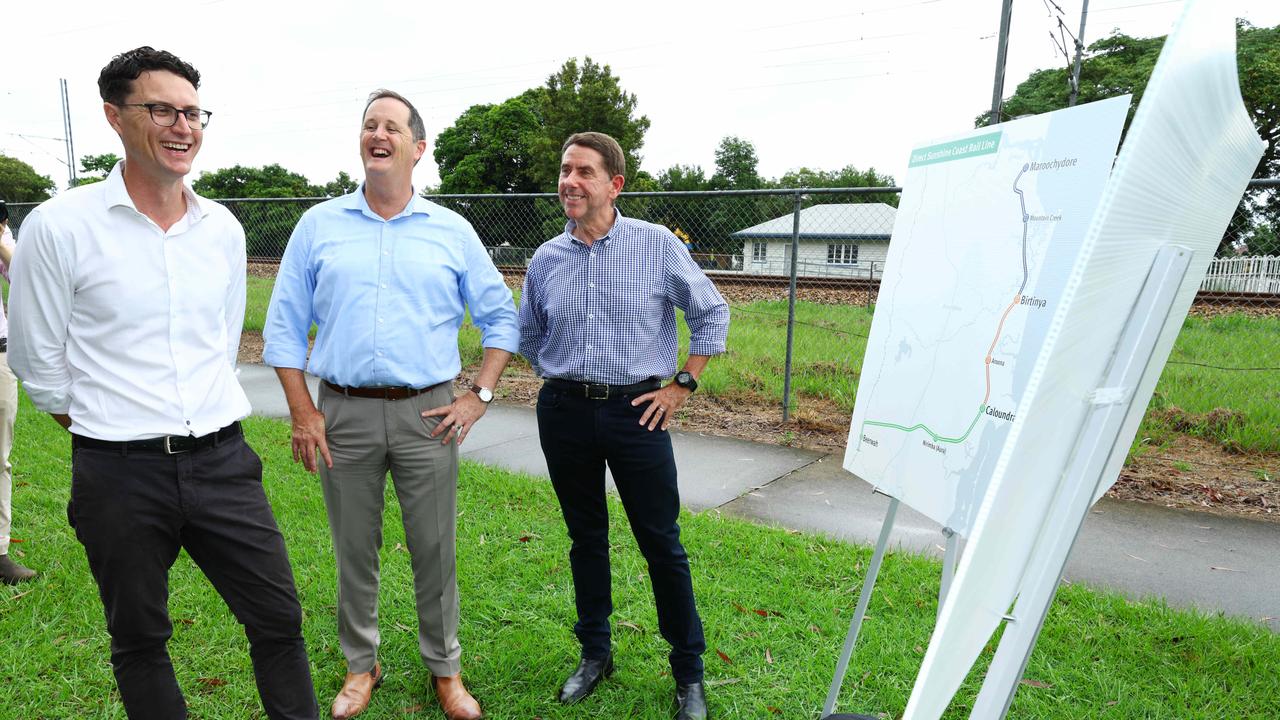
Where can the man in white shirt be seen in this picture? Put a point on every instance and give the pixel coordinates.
(11, 573)
(128, 299)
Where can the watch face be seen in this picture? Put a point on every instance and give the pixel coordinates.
(485, 394)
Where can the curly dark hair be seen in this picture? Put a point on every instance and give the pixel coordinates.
(116, 79)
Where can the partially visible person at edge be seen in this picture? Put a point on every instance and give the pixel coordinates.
(11, 572)
(597, 321)
(128, 301)
(387, 277)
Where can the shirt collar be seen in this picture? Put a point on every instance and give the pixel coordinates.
(357, 201)
(571, 224)
(117, 195)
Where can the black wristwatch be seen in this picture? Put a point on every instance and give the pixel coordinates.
(685, 380)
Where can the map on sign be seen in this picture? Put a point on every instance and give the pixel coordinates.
(987, 234)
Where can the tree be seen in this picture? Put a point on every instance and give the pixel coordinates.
(269, 181)
(736, 163)
(267, 226)
(490, 148)
(683, 178)
(1120, 64)
(341, 185)
(581, 98)
(20, 183)
(95, 168)
(846, 177)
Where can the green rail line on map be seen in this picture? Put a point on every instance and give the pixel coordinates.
(921, 426)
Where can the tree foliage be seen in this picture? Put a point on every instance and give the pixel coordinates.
(95, 168)
(341, 185)
(268, 181)
(1120, 64)
(20, 183)
(514, 146)
(736, 165)
(489, 148)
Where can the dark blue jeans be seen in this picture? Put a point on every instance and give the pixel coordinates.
(579, 437)
(134, 512)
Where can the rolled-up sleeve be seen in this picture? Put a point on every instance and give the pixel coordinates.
(290, 313)
(488, 298)
(43, 284)
(705, 311)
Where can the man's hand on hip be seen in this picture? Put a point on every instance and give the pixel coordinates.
(308, 437)
(663, 404)
(459, 416)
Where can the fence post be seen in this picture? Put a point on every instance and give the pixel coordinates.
(791, 309)
(871, 279)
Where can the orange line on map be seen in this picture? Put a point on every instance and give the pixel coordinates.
(987, 362)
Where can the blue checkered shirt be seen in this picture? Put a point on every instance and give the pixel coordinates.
(605, 313)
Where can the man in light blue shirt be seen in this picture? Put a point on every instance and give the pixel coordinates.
(387, 277)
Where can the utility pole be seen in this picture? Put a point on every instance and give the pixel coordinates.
(66, 130)
(1002, 51)
(1075, 70)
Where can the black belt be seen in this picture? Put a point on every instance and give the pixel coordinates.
(599, 391)
(168, 444)
(4, 344)
(381, 393)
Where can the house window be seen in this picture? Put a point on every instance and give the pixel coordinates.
(759, 251)
(842, 254)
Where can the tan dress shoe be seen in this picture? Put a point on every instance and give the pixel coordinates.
(355, 693)
(456, 702)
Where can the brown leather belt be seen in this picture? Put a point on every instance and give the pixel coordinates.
(380, 393)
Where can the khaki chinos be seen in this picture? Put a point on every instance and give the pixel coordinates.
(367, 437)
(8, 414)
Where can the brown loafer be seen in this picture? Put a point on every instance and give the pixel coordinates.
(456, 702)
(355, 693)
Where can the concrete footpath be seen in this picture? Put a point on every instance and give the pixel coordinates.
(1216, 564)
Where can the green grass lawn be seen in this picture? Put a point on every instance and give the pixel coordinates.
(775, 603)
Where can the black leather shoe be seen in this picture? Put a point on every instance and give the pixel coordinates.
(583, 680)
(691, 702)
(11, 573)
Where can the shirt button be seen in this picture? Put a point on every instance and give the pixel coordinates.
(588, 347)
(384, 286)
(591, 284)
(591, 316)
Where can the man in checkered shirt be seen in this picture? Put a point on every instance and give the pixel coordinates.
(597, 321)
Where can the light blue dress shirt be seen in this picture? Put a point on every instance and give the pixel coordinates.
(387, 296)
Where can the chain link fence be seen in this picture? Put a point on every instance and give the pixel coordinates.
(801, 270)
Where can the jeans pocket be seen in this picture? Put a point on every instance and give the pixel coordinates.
(549, 398)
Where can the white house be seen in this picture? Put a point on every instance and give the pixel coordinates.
(840, 239)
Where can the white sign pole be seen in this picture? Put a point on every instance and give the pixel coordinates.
(949, 561)
(1111, 403)
(864, 597)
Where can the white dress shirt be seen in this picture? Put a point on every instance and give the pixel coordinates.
(131, 330)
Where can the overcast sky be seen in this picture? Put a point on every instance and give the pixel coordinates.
(815, 83)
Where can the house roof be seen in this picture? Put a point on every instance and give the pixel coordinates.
(843, 221)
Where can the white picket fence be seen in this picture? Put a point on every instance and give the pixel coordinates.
(1246, 274)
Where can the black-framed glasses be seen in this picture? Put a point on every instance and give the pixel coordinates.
(167, 115)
